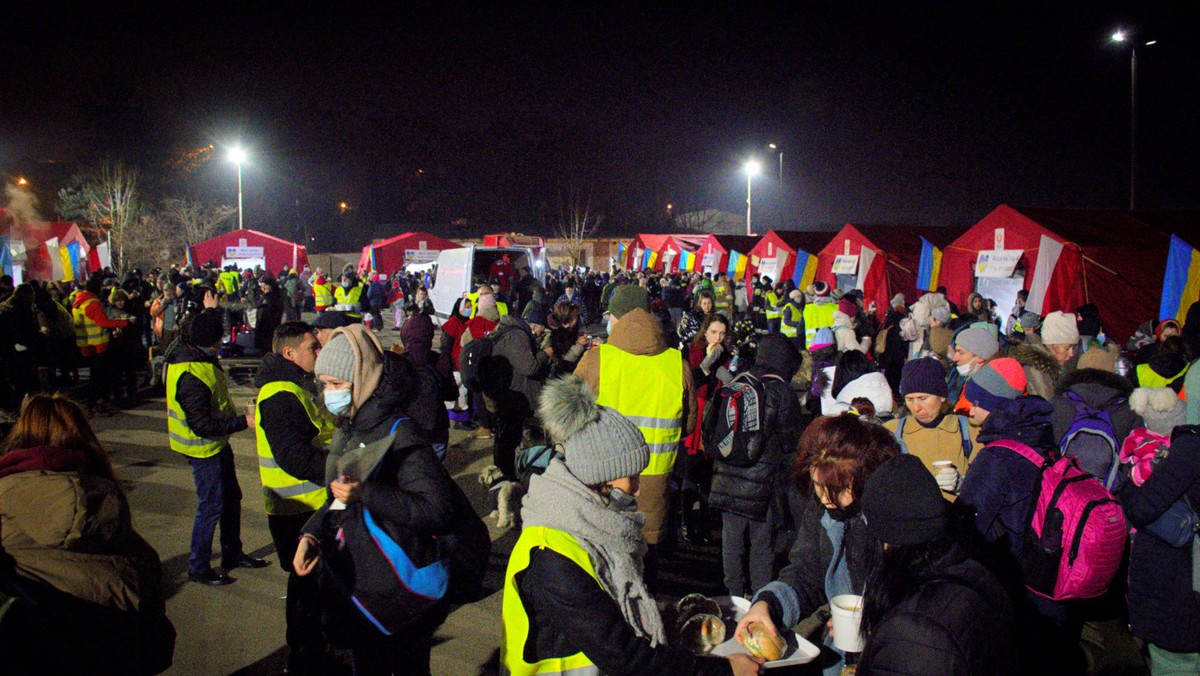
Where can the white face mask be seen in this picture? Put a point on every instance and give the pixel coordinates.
(964, 369)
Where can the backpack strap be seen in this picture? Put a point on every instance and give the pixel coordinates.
(899, 434)
(1022, 450)
(965, 432)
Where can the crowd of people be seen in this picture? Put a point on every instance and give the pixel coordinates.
(898, 454)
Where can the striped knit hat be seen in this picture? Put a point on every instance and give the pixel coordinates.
(995, 381)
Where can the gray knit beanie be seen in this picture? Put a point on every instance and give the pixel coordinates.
(598, 443)
(978, 341)
(336, 359)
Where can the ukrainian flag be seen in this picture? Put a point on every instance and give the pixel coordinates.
(683, 260)
(740, 272)
(621, 254)
(931, 266)
(652, 260)
(731, 270)
(646, 259)
(1181, 285)
(805, 271)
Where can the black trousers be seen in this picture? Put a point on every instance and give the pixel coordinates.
(304, 637)
(512, 410)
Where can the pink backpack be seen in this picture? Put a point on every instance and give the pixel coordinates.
(1077, 533)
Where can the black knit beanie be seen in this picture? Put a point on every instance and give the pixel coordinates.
(902, 504)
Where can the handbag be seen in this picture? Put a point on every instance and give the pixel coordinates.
(1177, 526)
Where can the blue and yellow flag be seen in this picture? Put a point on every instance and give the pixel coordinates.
(653, 260)
(805, 271)
(646, 258)
(1181, 285)
(740, 272)
(931, 266)
(733, 263)
(683, 260)
(621, 254)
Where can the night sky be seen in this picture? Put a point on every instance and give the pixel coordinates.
(434, 112)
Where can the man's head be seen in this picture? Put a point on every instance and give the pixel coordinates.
(296, 342)
(974, 346)
(626, 299)
(325, 324)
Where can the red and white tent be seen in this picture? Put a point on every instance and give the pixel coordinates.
(776, 253)
(251, 247)
(392, 254)
(635, 252)
(1065, 258)
(673, 247)
(36, 263)
(714, 253)
(882, 260)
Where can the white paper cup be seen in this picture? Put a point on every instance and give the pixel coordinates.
(847, 616)
(942, 464)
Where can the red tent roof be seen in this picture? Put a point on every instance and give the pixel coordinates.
(277, 252)
(391, 253)
(1110, 259)
(644, 242)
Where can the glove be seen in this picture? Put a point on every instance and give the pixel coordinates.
(710, 359)
(948, 479)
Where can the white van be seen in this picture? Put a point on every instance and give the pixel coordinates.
(462, 270)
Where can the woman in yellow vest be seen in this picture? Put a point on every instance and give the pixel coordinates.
(574, 598)
(322, 293)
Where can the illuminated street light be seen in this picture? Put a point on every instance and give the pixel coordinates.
(21, 181)
(1121, 37)
(752, 168)
(238, 156)
(772, 146)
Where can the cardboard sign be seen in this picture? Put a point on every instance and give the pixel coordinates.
(996, 263)
(845, 265)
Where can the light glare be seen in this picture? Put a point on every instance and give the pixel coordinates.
(753, 167)
(1119, 36)
(237, 155)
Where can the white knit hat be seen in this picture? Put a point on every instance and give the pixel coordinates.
(1058, 328)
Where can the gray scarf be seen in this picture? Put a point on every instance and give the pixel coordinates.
(612, 539)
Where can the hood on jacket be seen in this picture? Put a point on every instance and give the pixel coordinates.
(776, 355)
(43, 459)
(1025, 419)
(1167, 365)
(1096, 387)
(417, 337)
(82, 297)
(274, 368)
(1034, 355)
(873, 386)
(398, 387)
(638, 332)
(183, 353)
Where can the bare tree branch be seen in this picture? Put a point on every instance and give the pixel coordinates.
(576, 222)
(192, 221)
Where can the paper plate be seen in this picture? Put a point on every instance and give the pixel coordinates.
(734, 608)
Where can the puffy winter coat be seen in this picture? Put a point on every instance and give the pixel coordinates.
(1163, 610)
(873, 386)
(1042, 370)
(1100, 390)
(959, 623)
(515, 351)
(843, 331)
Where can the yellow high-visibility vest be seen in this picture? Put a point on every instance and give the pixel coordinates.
(87, 332)
(817, 316)
(183, 439)
(322, 295)
(514, 616)
(793, 314)
(284, 494)
(229, 280)
(352, 297)
(772, 301)
(502, 308)
(1148, 378)
(647, 389)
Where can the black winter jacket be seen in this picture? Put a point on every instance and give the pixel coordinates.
(525, 366)
(1100, 390)
(195, 398)
(747, 491)
(959, 623)
(1163, 610)
(285, 423)
(570, 612)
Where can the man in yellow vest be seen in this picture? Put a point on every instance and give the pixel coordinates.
(792, 318)
(818, 312)
(351, 295)
(322, 292)
(292, 430)
(485, 290)
(651, 384)
(772, 299)
(200, 419)
(92, 338)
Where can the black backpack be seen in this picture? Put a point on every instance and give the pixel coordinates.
(734, 424)
(476, 364)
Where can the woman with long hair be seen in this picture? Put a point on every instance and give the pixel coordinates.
(928, 607)
(833, 550)
(709, 357)
(88, 587)
(689, 326)
(566, 341)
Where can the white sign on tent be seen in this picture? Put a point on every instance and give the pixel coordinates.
(845, 265)
(710, 263)
(244, 252)
(997, 263)
(420, 256)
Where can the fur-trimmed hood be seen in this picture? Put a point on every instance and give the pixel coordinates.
(1035, 356)
(1097, 388)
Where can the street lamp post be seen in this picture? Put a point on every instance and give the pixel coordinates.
(772, 146)
(1121, 37)
(752, 169)
(238, 156)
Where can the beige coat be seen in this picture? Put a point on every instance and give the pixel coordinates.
(943, 442)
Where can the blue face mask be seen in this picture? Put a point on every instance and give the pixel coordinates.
(609, 328)
(337, 401)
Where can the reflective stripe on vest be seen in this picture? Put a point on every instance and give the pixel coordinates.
(352, 297)
(284, 494)
(817, 316)
(1147, 377)
(322, 295)
(87, 332)
(515, 618)
(647, 389)
(182, 439)
(794, 315)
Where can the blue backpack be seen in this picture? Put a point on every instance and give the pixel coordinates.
(1092, 440)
